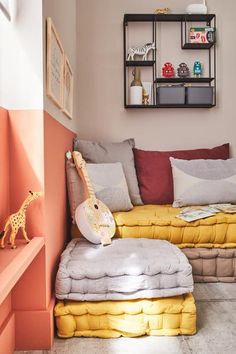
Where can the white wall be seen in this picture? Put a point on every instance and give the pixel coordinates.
(63, 14)
(100, 78)
(21, 58)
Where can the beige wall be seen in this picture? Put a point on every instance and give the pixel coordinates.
(64, 16)
(21, 59)
(100, 78)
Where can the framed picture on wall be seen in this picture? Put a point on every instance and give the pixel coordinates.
(68, 89)
(55, 65)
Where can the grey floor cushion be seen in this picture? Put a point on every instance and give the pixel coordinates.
(126, 269)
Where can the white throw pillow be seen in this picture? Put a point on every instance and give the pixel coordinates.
(201, 182)
(109, 184)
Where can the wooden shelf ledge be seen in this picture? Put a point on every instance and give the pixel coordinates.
(14, 262)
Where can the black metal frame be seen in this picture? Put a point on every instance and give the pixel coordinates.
(183, 19)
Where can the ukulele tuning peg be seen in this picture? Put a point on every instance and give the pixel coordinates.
(68, 155)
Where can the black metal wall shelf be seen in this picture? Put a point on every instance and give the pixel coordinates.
(140, 62)
(167, 18)
(185, 21)
(197, 46)
(170, 106)
(183, 79)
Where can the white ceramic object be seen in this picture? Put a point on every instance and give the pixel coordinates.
(197, 8)
(136, 95)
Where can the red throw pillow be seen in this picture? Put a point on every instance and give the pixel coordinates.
(154, 170)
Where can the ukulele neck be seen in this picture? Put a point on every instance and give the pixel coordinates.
(87, 183)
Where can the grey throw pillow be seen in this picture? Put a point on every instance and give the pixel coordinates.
(199, 182)
(100, 152)
(109, 184)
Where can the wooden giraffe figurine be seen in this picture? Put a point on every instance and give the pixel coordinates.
(17, 220)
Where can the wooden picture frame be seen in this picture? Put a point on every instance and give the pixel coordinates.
(55, 65)
(67, 89)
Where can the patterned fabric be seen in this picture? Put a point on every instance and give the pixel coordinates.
(109, 184)
(100, 152)
(200, 182)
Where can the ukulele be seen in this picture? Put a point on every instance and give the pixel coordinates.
(93, 218)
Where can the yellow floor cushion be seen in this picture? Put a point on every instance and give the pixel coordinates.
(113, 319)
(160, 222)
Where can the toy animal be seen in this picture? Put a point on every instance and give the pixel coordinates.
(163, 10)
(145, 98)
(197, 69)
(17, 220)
(168, 70)
(141, 51)
(183, 70)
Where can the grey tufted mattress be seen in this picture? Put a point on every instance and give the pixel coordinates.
(126, 269)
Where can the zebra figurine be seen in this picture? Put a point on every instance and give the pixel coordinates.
(144, 50)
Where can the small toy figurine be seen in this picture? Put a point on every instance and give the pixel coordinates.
(145, 98)
(183, 70)
(163, 10)
(144, 50)
(197, 69)
(17, 220)
(168, 70)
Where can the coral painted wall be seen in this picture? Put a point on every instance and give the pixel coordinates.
(26, 155)
(33, 146)
(57, 140)
(4, 173)
(6, 344)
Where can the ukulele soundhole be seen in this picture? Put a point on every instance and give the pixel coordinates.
(95, 206)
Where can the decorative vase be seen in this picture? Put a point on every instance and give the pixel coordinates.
(197, 8)
(136, 88)
(136, 95)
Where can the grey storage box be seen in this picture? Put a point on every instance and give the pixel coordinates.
(200, 95)
(171, 95)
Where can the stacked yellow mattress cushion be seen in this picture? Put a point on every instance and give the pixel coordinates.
(112, 319)
(160, 222)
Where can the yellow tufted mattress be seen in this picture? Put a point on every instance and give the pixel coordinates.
(113, 319)
(156, 221)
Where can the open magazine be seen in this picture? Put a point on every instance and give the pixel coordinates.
(200, 212)
(225, 208)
